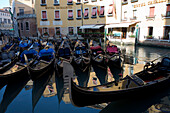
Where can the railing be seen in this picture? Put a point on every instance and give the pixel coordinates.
(26, 14)
(150, 17)
(159, 38)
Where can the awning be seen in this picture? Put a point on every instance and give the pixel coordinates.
(97, 26)
(87, 27)
(91, 26)
(120, 25)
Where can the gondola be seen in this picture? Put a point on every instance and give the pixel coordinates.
(147, 82)
(98, 56)
(113, 55)
(20, 68)
(43, 64)
(64, 53)
(81, 56)
(7, 59)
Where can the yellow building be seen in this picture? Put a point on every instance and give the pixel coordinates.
(72, 17)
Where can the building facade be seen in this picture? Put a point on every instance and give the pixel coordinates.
(25, 17)
(5, 19)
(75, 17)
(149, 19)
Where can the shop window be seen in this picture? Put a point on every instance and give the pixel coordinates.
(43, 2)
(86, 13)
(168, 10)
(56, 2)
(27, 26)
(78, 31)
(94, 11)
(79, 14)
(57, 30)
(151, 14)
(69, 2)
(166, 33)
(70, 30)
(150, 31)
(57, 15)
(44, 15)
(70, 14)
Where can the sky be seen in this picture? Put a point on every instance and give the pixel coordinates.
(4, 3)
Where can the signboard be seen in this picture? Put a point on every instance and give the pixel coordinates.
(61, 7)
(44, 23)
(57, 23)
(148, 3)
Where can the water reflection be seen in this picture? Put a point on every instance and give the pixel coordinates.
(13, 88)
(139, 105)
(56, 88)
(39, 87)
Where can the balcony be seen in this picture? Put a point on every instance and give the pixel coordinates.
(26, 14)
(150, 17)
(133, 18)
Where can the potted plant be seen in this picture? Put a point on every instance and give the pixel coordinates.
(149, 37)
(132, 36)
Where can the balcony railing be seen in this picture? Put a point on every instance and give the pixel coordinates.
(150, 17)
(165, 16)
(26, 14)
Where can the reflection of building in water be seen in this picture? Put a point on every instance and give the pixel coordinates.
(50, 89)
(66, 97)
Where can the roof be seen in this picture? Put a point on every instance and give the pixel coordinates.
(1, 10)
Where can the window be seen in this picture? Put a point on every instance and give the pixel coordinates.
(0, 20)
(110, 11)
(86, 13)
(134, 14)
(150, 31)
(132, 30)
(78, 1)
(43, 2)
(125, 15)
(166, 32)
(44, 15)
(9, 21)
(124, 1)
(21, 11)
(70, 14)
(86, 1)
(102, 11)
(69, 2)
(27, 26)
(22, 28)
(5, 21)
(168, 10)
(57, 30)
(78, 31)
(79, 14)
(57, 14)
(71, 29)
(56, 2)
(152, 9)
(45, 31)
(94, 12)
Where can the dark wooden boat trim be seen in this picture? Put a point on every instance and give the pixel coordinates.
(36, 73)
(81, 96)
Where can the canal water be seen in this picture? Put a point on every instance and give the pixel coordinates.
(50, 93)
